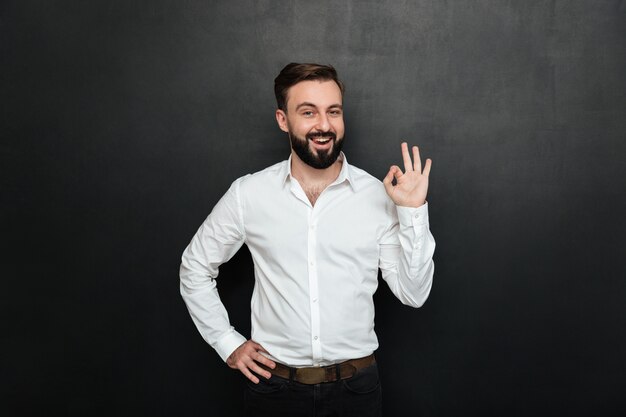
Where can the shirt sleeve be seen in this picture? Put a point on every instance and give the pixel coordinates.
(219, 237)
(406, 255)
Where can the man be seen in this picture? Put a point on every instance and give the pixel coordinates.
(318, 230)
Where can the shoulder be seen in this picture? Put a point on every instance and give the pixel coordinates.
(363, 180)
(371, 189)
(370, 192)
(267, 178)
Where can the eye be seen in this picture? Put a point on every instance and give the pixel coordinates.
(335, 112)
(307, 113)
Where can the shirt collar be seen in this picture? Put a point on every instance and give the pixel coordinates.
(344, 175)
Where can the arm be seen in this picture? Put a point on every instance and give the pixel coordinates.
(219, 237)
(406, 251)
(407, 247)
(217, 240)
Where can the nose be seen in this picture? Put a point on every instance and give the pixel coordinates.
(323, 124)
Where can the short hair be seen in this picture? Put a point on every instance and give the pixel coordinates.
(294, 73)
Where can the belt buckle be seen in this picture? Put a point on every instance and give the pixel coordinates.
(310, 375)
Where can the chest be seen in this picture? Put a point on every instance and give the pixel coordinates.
(340, 221)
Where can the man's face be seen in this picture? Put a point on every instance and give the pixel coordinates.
(314, 122)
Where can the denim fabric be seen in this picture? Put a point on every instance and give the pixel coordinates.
(357, 396)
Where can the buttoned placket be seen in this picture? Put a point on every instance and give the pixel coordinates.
(312, 210)
(316, 343)
(316, 340)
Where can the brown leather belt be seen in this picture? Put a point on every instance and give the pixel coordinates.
(321, 374)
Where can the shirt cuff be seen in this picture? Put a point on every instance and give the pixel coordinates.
(228, 343)
(413, 216)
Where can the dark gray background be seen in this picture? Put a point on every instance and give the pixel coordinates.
(123, 122)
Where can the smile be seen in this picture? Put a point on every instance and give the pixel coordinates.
(321, 141)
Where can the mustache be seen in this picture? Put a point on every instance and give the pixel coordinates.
(314, 135)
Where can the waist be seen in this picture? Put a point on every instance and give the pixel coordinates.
(298, 348)
(322, 374)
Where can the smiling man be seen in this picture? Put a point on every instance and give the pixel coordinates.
(318, 230)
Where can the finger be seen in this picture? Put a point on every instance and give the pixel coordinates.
(417, 162)
(387, 181)
(389, 176)
(259, 348)
(265, 361)
(260, 358)
(259, 371)
(408, 166)
(427, 166)
(249, 374)
(397, 172)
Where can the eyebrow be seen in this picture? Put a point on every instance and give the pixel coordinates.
(307, 104)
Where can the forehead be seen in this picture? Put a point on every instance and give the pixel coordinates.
(318, 92)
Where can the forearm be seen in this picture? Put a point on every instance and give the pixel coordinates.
(209, 315)
(407, 265)
(216, 241)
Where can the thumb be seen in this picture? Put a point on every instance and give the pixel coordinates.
(388, 179)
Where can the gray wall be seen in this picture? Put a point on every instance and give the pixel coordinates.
(123, 122)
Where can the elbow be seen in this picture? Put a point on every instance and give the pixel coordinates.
(420, 295)
(417, 302)
(192, 281)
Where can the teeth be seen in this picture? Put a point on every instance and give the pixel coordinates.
(321, 140)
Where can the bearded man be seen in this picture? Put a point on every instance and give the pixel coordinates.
(318, 230)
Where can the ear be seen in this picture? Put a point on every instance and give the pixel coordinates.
(281, 119)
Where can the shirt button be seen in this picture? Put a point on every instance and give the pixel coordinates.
(311, 263)
(417, 216)
(315, 300)
(315, 337)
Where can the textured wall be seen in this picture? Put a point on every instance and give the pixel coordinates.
(123, 122)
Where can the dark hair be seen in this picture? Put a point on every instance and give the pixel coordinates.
(294, 73)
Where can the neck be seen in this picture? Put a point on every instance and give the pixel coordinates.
(309, 176)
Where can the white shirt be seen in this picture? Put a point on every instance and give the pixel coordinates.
(315, 267)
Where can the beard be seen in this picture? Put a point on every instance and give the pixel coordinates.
(315, 158)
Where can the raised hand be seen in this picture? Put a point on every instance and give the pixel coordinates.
(245, 358)
(412, 185)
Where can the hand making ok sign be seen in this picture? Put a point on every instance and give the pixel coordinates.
(412, 185)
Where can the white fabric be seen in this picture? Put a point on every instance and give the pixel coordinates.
(315, 266)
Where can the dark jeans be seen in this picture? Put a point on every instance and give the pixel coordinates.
(357, 396)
